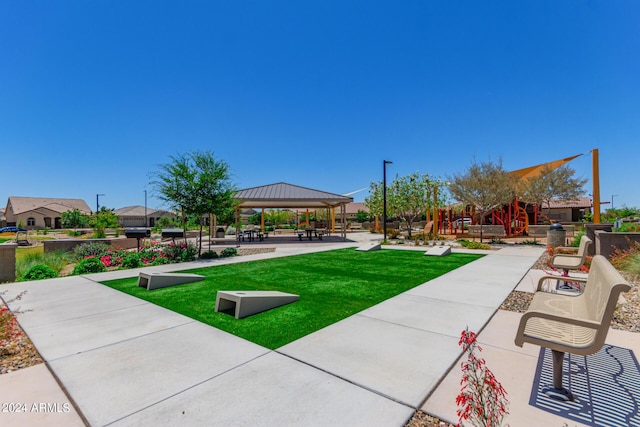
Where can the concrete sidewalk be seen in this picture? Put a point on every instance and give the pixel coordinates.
(123, 361)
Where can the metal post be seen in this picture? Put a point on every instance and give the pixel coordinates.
(384, 197)
(612, 196)
(145, 208)
(596, 185)
(98, 202)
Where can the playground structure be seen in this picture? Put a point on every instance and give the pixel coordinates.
(517, 216)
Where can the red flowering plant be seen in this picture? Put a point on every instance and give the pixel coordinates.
(482, 400)
(9, 328)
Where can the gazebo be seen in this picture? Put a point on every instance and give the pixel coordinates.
(288, 196)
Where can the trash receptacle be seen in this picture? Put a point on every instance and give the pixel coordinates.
(220, 233)
(556, 235)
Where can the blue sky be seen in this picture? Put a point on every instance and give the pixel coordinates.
(94, 95)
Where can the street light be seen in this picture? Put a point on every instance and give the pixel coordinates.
(145, 208)
(98, 201)
(612, 196)
(384, 197)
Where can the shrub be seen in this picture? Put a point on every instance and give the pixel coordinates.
(180, 252)
(131, 260)
(530, 242)
(91, 249)
(628, 260)
(209, 255)
(89, 265)
(229, 252)
(38, 272)
(392, 233)
(473, 244)
(575, 241)
(56, 261)
(160, 261)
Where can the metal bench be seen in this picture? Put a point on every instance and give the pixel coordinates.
(576, 324)
(568, 262)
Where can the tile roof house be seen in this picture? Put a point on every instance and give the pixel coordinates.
(134, 216)
(40, 212)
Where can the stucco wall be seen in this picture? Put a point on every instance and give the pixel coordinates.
(69, 244)
(606, 243)
(8, 262)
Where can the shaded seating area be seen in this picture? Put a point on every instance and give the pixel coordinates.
(282, 195)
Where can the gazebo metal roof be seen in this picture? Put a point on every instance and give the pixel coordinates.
(286, 196)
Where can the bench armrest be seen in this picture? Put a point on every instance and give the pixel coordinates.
(563, 278)
(566, 248)
(585, 323)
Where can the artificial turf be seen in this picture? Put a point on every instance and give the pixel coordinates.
(332, 285)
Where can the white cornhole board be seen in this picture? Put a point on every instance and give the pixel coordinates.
(246, 303)
(369, 247)
(163, 280)
(439, 251)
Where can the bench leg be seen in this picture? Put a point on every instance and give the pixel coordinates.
(558, 392)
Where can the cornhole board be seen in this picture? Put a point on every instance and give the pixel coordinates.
(162, 280)
(369, 247)
(439, 251)
(246, 303)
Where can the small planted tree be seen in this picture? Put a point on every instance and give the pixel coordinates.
(75, 219)
(559, 183)
(196, 183)
(103, 219)
(485, 186)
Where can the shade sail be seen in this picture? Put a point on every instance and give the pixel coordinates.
(533, 171)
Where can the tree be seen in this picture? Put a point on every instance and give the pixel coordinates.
(374, 201)
(74, 218)
(411, 196)
(485, 186)
(196, 183)
(408, 197)
(362, 216)
(103, 219)
(558, 183)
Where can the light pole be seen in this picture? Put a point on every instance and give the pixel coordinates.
(612, 196)
(98, 202)
(384, 197)
(145, 208)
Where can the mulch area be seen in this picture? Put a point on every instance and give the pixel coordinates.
(20, 353)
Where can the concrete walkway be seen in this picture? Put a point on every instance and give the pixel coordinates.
(124, 361)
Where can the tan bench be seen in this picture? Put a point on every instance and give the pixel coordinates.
(568, 262)
(487, 231)
(576, 324)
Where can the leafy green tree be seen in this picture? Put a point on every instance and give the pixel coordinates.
(374, 201)
(74, 218)
(103, 219)
(485, 186)
(558, 183)
(408, 197)
(196, 183)
(362, 216)
(611, 215)
(411, 196)
(278, 216)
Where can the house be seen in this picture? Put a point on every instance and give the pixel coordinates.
(351, 209)
(565, 211)
(139, 216)
(39, 212)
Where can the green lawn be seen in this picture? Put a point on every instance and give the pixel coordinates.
(332, 286)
